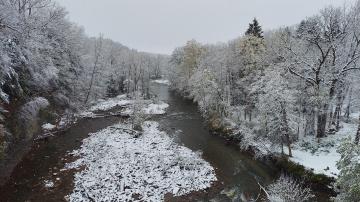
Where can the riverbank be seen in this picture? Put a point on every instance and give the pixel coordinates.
(312, 163)
(319, 182)
(69, 172)
(41, 172)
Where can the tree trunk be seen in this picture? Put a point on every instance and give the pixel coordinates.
(357, 137)
(321, 122)
(335, 120)
(310, 123)
(347, 110)
(289, 146)
(90, 85)
(285, 128)
(98, 47)
(338, 115)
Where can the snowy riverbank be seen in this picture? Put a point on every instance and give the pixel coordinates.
(121, 167)
(149, 107)
(321, 157)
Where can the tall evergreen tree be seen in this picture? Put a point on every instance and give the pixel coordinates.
(254, 29)
(112, 89)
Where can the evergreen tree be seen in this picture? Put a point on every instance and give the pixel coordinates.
(254, 29)
(112, 90)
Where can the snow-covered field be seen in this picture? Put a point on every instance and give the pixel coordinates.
(322, 157)
(120, 167)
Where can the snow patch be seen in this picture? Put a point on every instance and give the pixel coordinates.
(111, 103)
(86, 114)
(48, 126)
(162, 81)
(48, 184)
(120, 167)
(156, 109)
(321, 163)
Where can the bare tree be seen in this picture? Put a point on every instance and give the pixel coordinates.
(97, 57)
(322, 52)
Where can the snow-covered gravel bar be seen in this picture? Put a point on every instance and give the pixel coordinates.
(111, 103)
(120, 167)
(156, 109)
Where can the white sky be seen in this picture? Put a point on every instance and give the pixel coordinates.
(161, 25)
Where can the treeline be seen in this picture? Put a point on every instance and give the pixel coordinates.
(273, 88)
(42, 54)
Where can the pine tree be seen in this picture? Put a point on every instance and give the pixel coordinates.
(254, 29)
(111, 90)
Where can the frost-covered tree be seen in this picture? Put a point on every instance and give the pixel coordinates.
(185, 60)
(43, 54)
(138, 115)
(323, 51)
(349, 166)
(275, 99)
(97, 57)
(286, 189)
(251, 54)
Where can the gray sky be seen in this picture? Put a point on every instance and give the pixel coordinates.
(161, 25)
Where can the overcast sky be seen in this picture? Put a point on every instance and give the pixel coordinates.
(161, 25)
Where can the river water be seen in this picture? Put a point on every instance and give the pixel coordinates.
(235, 170)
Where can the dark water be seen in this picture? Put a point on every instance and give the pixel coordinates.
(27, 180)
(182, 120)
(235, 169)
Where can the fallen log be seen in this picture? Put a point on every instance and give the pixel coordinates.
(119, 114)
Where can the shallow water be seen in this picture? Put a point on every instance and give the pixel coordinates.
(182, 120)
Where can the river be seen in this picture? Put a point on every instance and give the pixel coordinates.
(235, 170)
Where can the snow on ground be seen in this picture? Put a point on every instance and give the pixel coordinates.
(162, 81)
(110, 103)
(86, 114)
(48, 126)
(149, 108)
(320, 163)
(48, 184)
(156, 109)
(120, 167)
(322, 156)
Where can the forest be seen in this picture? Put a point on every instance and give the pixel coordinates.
(45, 55)
(289, 93)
